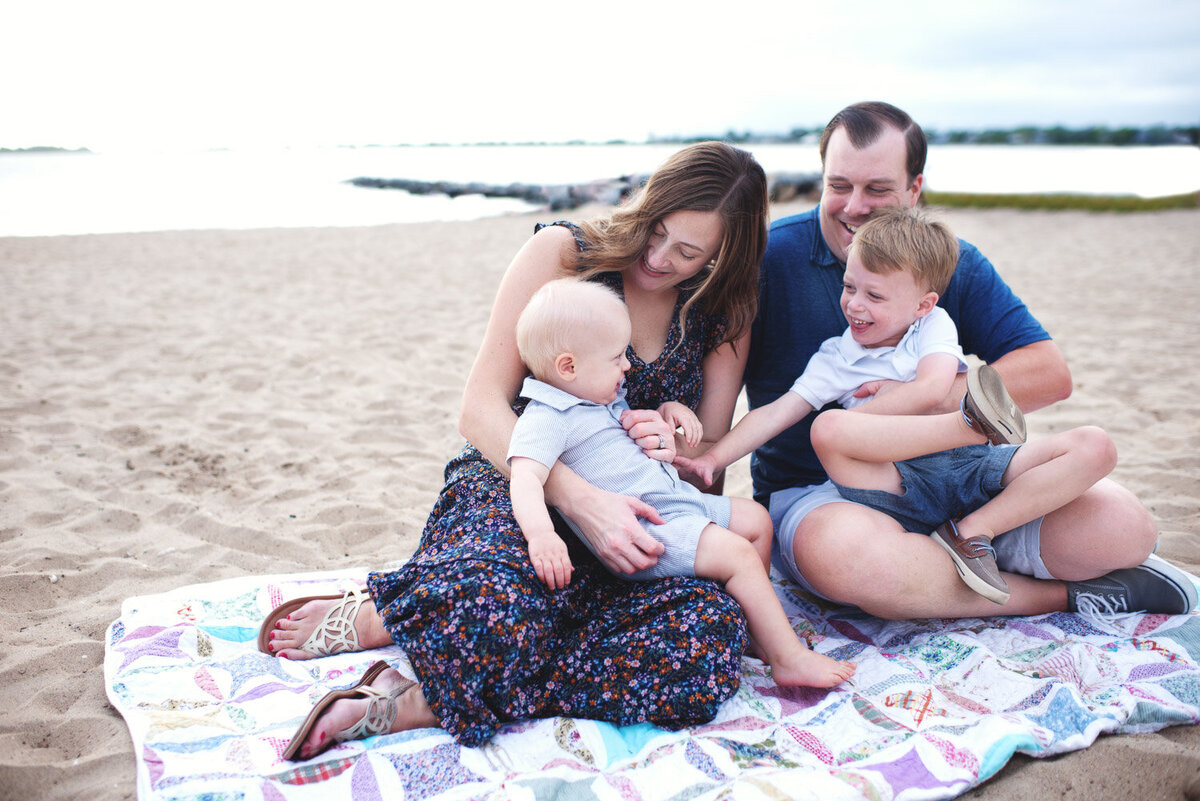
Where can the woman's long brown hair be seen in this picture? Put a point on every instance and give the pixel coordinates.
(707, 176)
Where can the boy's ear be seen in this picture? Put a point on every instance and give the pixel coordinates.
(564, 366)
(928, 301)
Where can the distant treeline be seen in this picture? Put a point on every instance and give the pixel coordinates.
(1026, 135)
(43, 149)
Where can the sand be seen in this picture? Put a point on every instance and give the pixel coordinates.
(190, 406)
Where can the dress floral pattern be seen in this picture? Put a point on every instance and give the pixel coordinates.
(491, 644)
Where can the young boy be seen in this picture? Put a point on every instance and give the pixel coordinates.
(931, 473)
(573, 337)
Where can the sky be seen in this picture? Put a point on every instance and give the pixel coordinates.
(183, 74)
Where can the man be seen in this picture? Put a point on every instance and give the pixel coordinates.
(1091, 555)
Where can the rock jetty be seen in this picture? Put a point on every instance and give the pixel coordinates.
(557, 197)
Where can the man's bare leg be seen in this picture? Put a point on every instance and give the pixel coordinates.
(1104, 529)
(855, 555)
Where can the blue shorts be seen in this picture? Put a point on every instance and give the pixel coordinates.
(1017, 551)
(947, 485)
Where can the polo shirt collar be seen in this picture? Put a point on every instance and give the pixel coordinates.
(852, 351)
(555, 398)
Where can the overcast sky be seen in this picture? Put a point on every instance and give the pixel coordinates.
(115, 75)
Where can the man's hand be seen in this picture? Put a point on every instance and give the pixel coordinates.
(873, 388)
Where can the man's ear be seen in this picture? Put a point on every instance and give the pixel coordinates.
(914, 191)
(564, 366)
(928, 302)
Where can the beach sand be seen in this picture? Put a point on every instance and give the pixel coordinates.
(190, 406)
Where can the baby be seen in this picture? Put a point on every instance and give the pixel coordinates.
(573, 336)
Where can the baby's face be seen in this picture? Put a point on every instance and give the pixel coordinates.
(600, 361)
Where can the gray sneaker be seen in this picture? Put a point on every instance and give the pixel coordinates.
(1154, 586)
(975, 560)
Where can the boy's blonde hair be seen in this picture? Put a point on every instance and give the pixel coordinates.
(558, 317)
(900, 238)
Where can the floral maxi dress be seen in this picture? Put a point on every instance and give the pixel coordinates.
(490, 644)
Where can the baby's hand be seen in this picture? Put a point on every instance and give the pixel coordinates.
(679, 416)
(548, 554)
(701, 468)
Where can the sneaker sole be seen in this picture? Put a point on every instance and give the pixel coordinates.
(968, 576)
(993, 403)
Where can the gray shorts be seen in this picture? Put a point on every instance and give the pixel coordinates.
(1017, 551)
(686, 515)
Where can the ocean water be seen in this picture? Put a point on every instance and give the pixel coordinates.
(77, 193)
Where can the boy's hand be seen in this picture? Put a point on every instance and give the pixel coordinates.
(679, 416)
(548, 554)
(701, 468)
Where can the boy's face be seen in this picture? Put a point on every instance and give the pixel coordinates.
(599, 361)
(880, 307)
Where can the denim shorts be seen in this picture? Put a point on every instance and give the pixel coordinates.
(1017, 551)
(947, 485)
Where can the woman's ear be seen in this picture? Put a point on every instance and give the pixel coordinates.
(564, 366)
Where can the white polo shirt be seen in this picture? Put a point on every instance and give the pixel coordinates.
(841, 366)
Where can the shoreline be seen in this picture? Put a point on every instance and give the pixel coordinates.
(181, 407)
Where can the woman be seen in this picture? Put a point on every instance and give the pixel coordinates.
(488, 642)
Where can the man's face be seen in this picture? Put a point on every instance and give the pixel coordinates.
(856, 182)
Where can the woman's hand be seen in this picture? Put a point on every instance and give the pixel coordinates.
(609, 522)
(651, 432)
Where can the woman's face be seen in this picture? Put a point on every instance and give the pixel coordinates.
(681, 244)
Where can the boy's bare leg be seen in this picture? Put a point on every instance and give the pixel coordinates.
(1043, 476)
(858, 449)
(728, 558)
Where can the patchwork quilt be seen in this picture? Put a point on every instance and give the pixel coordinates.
(935, 708)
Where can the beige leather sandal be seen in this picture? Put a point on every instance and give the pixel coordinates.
(381, 711)
(335, 633)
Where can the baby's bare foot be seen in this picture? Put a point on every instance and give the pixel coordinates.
(804, 668)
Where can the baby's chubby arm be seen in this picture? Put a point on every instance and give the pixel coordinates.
(547, 551)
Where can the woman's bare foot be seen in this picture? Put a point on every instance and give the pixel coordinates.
(801, 667)
(412, 712)
(293, 631)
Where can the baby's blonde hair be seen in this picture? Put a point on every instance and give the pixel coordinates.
(557, 318)
(900, 238)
